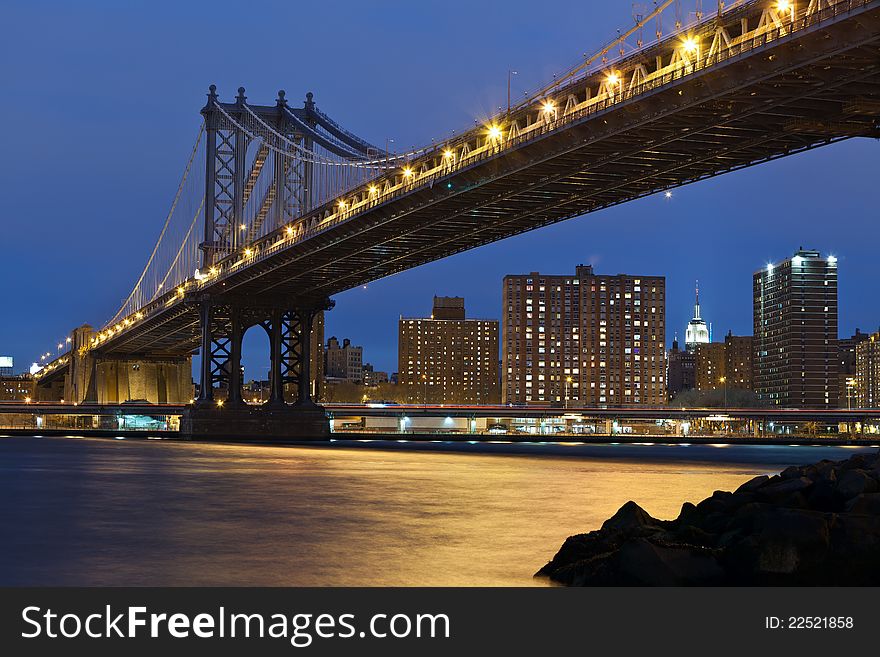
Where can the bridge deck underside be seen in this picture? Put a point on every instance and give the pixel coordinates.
(792, 95)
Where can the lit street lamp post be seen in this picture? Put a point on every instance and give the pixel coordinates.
(724, 381)
(567, 383)
(509, 74)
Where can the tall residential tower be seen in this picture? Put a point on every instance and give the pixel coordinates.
(795, 340)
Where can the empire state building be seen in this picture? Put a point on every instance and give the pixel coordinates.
(697, 331)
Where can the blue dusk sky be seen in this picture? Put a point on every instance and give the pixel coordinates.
(101, 106)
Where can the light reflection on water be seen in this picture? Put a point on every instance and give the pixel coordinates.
(103, 512)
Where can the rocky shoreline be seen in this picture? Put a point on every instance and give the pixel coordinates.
(816, 525)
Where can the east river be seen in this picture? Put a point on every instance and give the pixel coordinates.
(99, 512)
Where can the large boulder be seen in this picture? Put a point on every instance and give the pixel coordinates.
(855, 482)
(631, 517)
(865, 504)
(817, 524)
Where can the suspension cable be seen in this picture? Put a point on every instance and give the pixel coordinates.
(177, 196)
(186, 237)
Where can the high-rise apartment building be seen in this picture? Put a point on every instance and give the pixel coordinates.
(448, 359)
(343, 362)
(868, 372)
(725, 364)
(584, 339)
(795, 322)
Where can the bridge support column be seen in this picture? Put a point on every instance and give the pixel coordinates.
(206, 388)
(223, 324)
(304, 393)
(218, 351)
(276, 380)
(234, 397)
(297, 327)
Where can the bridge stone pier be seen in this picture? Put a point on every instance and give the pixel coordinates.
(159, 381)
(93, 378)
(105, 379)
(289, 326)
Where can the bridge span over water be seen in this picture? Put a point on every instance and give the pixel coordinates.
(280, 207)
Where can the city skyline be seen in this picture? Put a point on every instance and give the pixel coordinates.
(718, 230)
(386, 347)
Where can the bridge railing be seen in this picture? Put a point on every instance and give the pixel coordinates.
(53, 365)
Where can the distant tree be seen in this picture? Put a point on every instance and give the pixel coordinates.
(811, 428)
(736, 398)
(356, 393)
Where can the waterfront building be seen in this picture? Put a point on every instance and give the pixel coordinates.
(584, 339)
(868, 372)
(725, 364)
(697, 331)
(16, 388)
(739, 361)
(711, 366)
(6, 365)
(795, 329)
(447, 358)
(256, 391)
(344, 362)
(846, 372)
(373, 377)
(680, 375)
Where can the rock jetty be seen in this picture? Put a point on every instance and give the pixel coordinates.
(813, 525)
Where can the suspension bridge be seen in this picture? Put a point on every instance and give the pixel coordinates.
(280, 207)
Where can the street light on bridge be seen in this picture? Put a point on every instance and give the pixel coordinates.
(784, 6)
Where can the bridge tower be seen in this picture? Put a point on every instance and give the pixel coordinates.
(234, 160)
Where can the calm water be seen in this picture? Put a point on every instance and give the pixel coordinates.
(79, 511)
